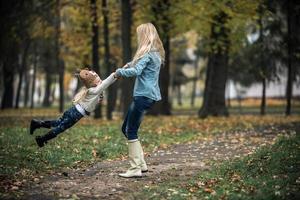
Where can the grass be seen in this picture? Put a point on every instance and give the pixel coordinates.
(92, 141)
(247, 106)
(270, 173)
(77, 147)
(21, 155)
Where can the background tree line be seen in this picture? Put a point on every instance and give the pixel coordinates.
(244, 41)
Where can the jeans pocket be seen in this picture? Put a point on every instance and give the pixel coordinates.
(141, 103)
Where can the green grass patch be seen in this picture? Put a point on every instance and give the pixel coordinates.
(92, 141)
(77, 147)
(270, 173)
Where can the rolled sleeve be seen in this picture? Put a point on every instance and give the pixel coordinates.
(105, 84)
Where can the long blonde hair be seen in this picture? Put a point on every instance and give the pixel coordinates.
(148, 39)
(80, 95)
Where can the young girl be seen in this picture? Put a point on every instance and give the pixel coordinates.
(84, 102)
(145, 66)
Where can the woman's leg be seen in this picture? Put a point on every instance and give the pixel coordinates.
(125, 123)
(130, 127)
(136, 113)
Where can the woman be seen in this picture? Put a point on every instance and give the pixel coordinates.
(145, 66)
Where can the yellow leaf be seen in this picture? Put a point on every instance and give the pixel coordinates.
(94, 152)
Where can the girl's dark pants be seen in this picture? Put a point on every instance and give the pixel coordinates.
(133, 119)
(68, 119)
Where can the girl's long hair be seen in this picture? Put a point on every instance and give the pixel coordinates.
(148, 39)
(83, 90)
(80, 95)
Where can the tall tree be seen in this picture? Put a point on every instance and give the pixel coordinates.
(95, 47)
(293, 42)
(22, 71)
(127, 83)
(26, 88)
(33, 83)
(9, 65)
(48, 63)
(112, 89)
(262, 63)
(216, 74)
(193, 95)
(47, 95)
(18, 19)
(289, 87)
(59, 64)
(161, 20)
(13, 15)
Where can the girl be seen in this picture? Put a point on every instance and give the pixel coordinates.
(84, 102)
(145, 66)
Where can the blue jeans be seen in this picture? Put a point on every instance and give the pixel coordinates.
(69, 118)
(134, 116)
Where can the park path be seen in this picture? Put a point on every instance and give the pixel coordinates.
(180, 162)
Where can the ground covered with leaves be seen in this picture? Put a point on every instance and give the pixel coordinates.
(188, 158)
(272, 172)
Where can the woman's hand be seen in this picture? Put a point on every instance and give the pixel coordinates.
(126, 65)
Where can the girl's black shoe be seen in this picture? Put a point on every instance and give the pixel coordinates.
(42, 140)
(34, 124)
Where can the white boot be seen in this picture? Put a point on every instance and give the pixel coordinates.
(134, 160)
(143, 165)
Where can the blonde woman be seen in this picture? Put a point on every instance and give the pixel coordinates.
(145, 66)
(84, 102)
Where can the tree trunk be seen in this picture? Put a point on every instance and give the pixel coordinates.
(95, 48)
(162, 22)
(60, 66)
(39, 91)
(26, 89)
(21, 73)
(127, 83)
(9, 65)
(193, 96)
(33, 78)
(263, 97)
(228, 95)
(217, 67)
(110, 105)
(53, 89)
(179, 96)
(164, 78)
(262, 63)
(289, 87)
(27, 82)
(46, 101)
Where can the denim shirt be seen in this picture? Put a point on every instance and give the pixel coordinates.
(146, 71)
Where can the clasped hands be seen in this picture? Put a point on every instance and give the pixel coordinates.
(125, 66)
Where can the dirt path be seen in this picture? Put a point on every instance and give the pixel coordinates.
(179, 161)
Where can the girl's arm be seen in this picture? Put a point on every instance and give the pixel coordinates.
(105, 83)
(136, 70)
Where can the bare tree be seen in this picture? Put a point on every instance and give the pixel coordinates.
(95, 47)
(127, 83)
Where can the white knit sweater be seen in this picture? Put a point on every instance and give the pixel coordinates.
(91, 99)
